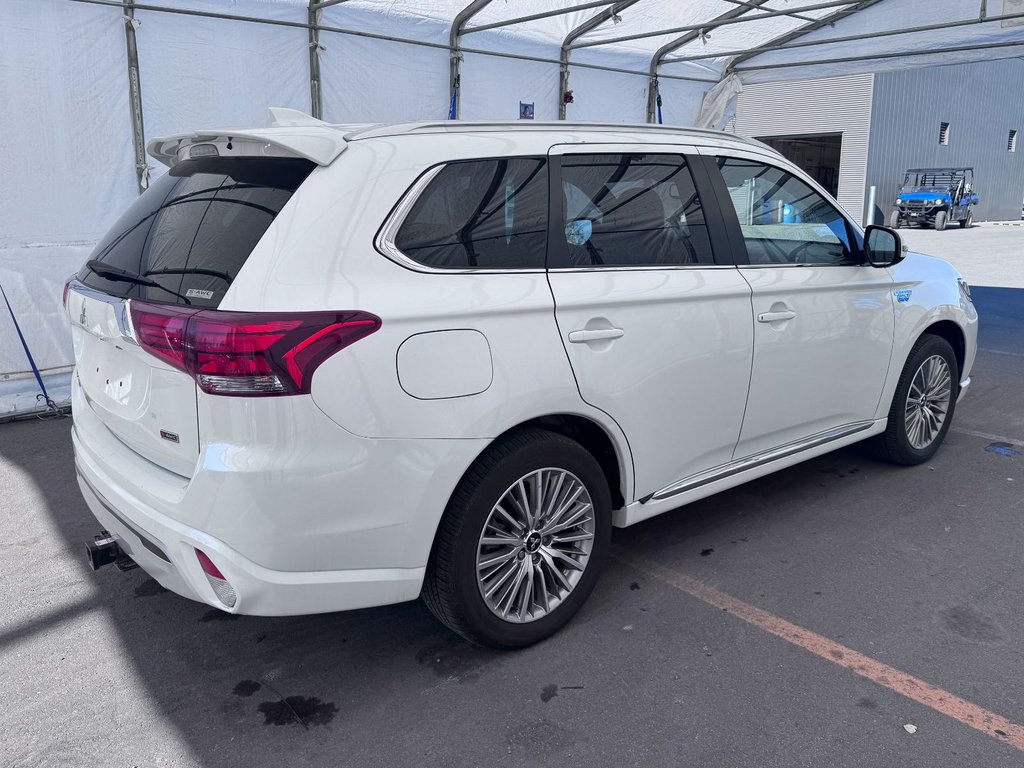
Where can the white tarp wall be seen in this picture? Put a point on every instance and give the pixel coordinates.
(66, 151)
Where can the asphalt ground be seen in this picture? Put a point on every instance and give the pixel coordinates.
(800, 620)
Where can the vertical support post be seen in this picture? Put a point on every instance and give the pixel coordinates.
(135, 96)
(455, 65)
(588, 26)
(316, 96)
(869, 217)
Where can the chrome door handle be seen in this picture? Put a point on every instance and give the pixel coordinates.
(771, 317)
(598, 334)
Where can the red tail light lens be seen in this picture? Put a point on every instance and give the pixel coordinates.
(67, 287)
(247, 353)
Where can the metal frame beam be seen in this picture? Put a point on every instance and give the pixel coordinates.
(316, 95)
(661, 53)
(586, 27)
(890, 55)
(794, 15)
(719, 21)
(135, 97)
(829, 20)
(455, 64)
(771, 47)
(537, 16)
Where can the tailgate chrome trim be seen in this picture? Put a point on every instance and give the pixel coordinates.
(117, 303)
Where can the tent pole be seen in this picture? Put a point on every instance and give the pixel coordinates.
(773, 47)
(720, 21)
(881, 56)
(316, 97)
(135, 96)
(537, 16)
(455, 65)
(585, 28)
(653, 107)
(806, 29)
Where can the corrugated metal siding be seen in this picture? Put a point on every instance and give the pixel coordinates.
(829, 105)
(981, 102)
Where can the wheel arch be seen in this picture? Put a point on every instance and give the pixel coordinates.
(954, 334)
(610, 451)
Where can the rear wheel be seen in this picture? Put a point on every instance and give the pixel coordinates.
(522, 542)
(940, 220)
(894, 220)
(967, 220)
(922, 407)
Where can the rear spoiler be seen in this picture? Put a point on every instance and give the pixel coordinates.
(291, 134)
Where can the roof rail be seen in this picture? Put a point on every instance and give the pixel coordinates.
(468, 126)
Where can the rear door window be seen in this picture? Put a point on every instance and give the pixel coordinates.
(480, 214)
(191, 232)
(631, 210)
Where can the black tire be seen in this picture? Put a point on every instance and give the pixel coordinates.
(450, 587)
(894, 220)
(967, 220)
(940, 220)
(894, 445)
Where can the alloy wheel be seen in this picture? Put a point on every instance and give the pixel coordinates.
(928, 401)
(535, 545)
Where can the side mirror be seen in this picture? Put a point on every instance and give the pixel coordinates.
(883, 247)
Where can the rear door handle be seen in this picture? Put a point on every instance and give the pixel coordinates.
(599, 334)
(771, 317)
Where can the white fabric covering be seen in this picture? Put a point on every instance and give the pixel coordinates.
(66, 160)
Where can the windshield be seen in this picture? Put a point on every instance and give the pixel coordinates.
(185, 238)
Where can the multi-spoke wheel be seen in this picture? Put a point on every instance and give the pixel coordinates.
(931, 390)
(922, 407)
(522, 542)
(535, 545)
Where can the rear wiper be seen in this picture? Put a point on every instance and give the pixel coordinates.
(190, 271)
(124, 276)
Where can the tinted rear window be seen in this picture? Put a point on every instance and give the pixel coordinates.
(480, 214)
(192, 231)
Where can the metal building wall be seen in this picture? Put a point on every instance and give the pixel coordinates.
(828, 105)
(981, 102)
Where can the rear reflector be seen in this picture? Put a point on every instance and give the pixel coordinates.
(224, 591)
(247, 353)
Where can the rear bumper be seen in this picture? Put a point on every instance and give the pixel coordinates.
(166, 551)
(343, 523)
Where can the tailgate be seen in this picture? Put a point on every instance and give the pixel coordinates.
(148, 405)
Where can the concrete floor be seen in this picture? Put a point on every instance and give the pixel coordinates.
(918, 569)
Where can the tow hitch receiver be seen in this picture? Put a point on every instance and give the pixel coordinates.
(104, 550)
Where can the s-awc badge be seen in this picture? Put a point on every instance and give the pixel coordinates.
(196, 293)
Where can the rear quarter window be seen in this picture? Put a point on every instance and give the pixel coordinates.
(480, 214)
(192, 231)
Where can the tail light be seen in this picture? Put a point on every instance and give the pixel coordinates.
(247, 353)
(224, 591)
(67, 287)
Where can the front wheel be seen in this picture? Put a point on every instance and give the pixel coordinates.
(940, 220)
(522, 542)
(922, 407)
(894, 220)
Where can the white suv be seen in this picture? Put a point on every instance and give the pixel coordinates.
(326, 367)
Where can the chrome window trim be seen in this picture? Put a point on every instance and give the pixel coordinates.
(384, 242)
(758, 459)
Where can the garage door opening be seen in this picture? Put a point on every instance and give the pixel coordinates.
(818, 155)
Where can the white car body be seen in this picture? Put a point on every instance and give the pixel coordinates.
(331, 500)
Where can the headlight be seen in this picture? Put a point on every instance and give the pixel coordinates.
(899, 200)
